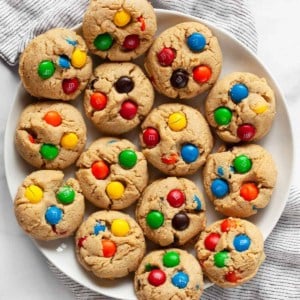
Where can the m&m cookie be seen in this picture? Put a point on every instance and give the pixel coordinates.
(241, 107)
(110, 244)
(241, 180)
(184, 61)
(118, 97)
(119, 30)
(112, 173)
(230, 251)
(171, 211)
(176, 139)
(55, 65)
(168, 274)
(50, 135)
(47, 207)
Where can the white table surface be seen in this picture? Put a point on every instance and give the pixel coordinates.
(23, 270)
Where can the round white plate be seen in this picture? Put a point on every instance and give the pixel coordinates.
(279, 142)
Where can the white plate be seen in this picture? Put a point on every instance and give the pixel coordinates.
(279, 142)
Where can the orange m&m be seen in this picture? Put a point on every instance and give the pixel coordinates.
(201, 74)
(109, 248)
(53, 118)
(98, 101)
(100, 169)
(228, 224)
(249, 191)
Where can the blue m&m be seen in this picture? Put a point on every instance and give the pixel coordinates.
(189, 153)
(196, 42)
(238, 92)
(219, 188)
(98, 228)
(180, 280)
(53, 215)
(241, 242)
(64, 62)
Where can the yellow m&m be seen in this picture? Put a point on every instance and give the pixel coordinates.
(122, 18)
(78, 58)
(69, 141)
(177, 121)
(120, 227)
(259, 109)
(115, 190)
(34, 193)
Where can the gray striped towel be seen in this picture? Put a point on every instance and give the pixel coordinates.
(279, 276)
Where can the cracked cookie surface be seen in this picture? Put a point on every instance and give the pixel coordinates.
(241, 107)
(176, 139)
(118, 97)
(240, 181)
(171, 211)
(230, 251)
(112, 173)
(119, 30)
(55, 65)
(50, 135)
(184, 61)
(169, 274)
(110, 244)
(47, 207)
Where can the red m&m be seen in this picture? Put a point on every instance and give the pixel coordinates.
(151, 137)
(211, 241)
(176, 198)
(170, 159)
(228, 224)
(157, 277)
(231, 276)
(143, 23)
(100, 169)
(69, 86)
(128, 110)
(166, 56)
(246, 132)
(131, 42)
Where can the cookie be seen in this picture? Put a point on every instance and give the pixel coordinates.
(55, 65)
(110, 244)
(230, 251)
(50, 135)
(184, 61)
(119, 30)
(241, 180)
(112, 173)
(47, 207)
(176, 139)
(171, 210)
(168, 274)
(118, 97)
(241, 107)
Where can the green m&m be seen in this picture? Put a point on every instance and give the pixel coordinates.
(103, 42)
(46, 69)
(242, 164)
(220, 259)
(155, 219)
(171, 259)
(49, 151)
(65, 195)
(222, 115)
(127, 159)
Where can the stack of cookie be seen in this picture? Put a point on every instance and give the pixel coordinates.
(112, 174)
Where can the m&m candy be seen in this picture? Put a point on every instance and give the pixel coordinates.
(228, 224)
(231, 276)
(222, 116)
(219, 188)
(103, 42)
(170, 159)
(69, 140)
(34, 193)
(70, 86)
(124, 85)
(155, 219)
(127, 159)
(120, 227)
(177, 121)
(53, 118)
(128, 110)
(246, 132)
(198, 202)
(157, 277)
(241, 242)
(109, 248)
(98, 101)
(81, 241)
(238, 92)
(179, 78)
(131, 42)
(151, 137)
(166, 56)
(196, 42)
(115, 190)
(66, 195)
(259, 109)
(64, 62)
(99, 228)
(78, 59)
(171, 259)
(49, 151)
(249, 191)
(211, 241)
(53, 215)
(100, 169)
(220, 259)
(242, 164)
(202, 74)
(176, 198)
(180, 221)
(46, 69)
(189, 153)
(143, 23)
(180, 280)
(121, 18)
